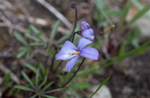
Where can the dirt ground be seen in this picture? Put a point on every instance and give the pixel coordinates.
(131, 79)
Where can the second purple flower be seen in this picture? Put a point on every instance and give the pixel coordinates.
(87, 32)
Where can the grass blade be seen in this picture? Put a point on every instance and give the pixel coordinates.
(32, 37)
(47, 86)
(139, 6)
(141, 13)
(24, 88)
(63, 38)
(100, 86)
(35, 30)
(30, 67)
(47, 96)
(100, 4)
(45, 79)
(27, 78)
(125, 12)
(20, 38)
(34, 96)
(21, 53)
(53, 33)
(6, 80)
(37, 76)
(51, 91)
(42, 68)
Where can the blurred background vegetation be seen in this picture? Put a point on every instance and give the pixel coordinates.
(30, 28)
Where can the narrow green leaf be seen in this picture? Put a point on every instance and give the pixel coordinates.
(34, 96)
(21, 53)
(84, 73)
(47, 86)
(53, 33)
(24, 88)
(113, 13)
(73, 92)
(139, 6)
(47, 96)
(100, 86)
(16, 92)
(35, 30)
(28, 55)
(23, 48)
(63, 38)
(6, 80)
(45, 79)
(136, 39)
(12, 90)
(30, 67)
(42, 69)
(123, 48)
(32, 37)
(37, 76)
(51, 91)
(101, 6)
(81, 85)
(47, 71)
(125, 12)
(27, 78)
(20, 38)
(98, 43)
(37, 43)
(141, 13)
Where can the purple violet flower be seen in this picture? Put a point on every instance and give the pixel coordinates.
(87, 31)
(70, 51)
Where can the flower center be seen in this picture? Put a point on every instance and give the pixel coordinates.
(77, 52)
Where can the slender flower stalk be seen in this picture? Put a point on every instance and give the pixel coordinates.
(74, 74)
(58, 66)
(73, 34)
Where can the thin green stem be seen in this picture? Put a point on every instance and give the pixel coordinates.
(58, 66)
(74, 73)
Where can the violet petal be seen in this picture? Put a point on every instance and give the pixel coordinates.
(87, 34)
(92, 37)
(91, 31)
(71, 63)
(84, 25)
(83, 42)
(89, 53)
(67, 49)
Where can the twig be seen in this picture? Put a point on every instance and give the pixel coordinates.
(55, 12)
(7, 22)
(58, 66)
(18, 28)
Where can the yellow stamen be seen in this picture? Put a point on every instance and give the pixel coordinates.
(77, 52)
